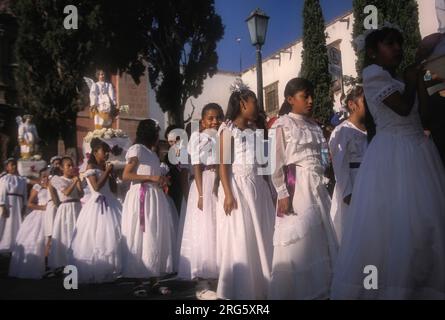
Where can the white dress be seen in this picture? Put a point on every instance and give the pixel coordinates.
(49, 215)
(147, 226)
(305, 245)
(347, 145)
(198, 244)
(245, 237)
(96, 245)
(397, 212)
(64, 222)
(13, 194)
(28, 255)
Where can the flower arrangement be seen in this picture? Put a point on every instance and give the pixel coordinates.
(104, 133)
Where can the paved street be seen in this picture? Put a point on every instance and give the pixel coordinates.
(53, 288)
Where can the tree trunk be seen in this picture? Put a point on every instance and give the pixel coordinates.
(177, 117)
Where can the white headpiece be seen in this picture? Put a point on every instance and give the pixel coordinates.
(238, 86)
(360, 40)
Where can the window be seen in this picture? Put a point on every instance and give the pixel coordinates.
(271, 94)
(335, 66)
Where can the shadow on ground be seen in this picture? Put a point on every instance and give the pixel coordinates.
(47, 289)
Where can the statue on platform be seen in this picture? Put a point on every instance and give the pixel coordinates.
(27, 137)
(102, 101)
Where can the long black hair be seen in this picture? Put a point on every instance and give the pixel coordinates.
(95, 145)
(147, 133)
(233, 107)
(292, 87)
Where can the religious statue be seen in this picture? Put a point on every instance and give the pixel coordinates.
(27, 136)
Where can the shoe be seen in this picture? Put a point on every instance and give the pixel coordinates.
(206, 295)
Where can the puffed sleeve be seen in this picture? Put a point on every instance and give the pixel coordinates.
(37, 187)
(58, 183)
(193, 147)
(3, 191)
(378, 84)
(278, 176)
(89, 173)
(133, 151)
(338, 145)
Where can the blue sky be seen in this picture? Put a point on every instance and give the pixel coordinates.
(285, 26)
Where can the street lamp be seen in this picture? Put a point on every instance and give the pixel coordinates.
(257, 24)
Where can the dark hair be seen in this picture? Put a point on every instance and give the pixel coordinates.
(233, 107)
(97, 144)
(65, 159)
(373, 39)
(98, 71)
(147, 133)
(212, 106)
(285, 108)
(292, 87)
(42, 170)
(169, 129)
(354, 95)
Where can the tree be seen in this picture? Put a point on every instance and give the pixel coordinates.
(403, 13)
(181, 52)
(315, 66)
(53, 60)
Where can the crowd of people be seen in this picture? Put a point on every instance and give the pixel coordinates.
(243, 234)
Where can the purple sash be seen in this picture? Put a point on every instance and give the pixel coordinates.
(290, 179)
(142, 191)
(103, 203)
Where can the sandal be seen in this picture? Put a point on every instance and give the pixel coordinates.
(140, 291)
(162, 290)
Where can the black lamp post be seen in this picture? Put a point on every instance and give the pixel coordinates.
(257, 24)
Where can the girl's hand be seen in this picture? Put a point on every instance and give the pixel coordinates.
(200, 203)
(283, 205)
(4, 211)
(108, 167)
(229, 205)
(161, 181)
(347, 199)
(413, 73)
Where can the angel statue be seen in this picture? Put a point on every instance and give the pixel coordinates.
(102, 101)
(27, 136)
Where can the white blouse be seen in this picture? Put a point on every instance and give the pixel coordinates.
(12, 184)
(61, 183)
(203, 148)
(42, 194)
(347, 145)
(149, 163)
(300, 141)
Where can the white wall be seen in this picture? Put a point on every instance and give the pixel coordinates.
(215, 89)
(427, 17)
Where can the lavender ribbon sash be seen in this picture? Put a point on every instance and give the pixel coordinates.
(291, 180)
(142, 192)
(103, 203)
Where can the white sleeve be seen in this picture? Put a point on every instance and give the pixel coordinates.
(338, 145)
(58, 183)
(278, 177)
(133, 151)
(3, 191)
(378, 84)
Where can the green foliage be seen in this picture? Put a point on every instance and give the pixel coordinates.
(315, 66)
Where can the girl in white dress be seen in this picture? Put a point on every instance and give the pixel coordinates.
(69, 191)
(305, 245)
(13, 195)
(347, 144)
(147, 226)
(198, 244)
(28, 256)
(395, 230)
(96, 245)
(51, 206)
(245, 212)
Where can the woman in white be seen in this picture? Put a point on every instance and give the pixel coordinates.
(96, 245)
(347, 144)
(305, 244)
(13, 195)
(28, 255)
(198, 244)
(69, 191)
(147, 227)
(394, 242)
(245, 212)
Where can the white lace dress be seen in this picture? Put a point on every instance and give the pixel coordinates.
(305, 244)
(244, 238)
(96, 248)
(397, 212)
